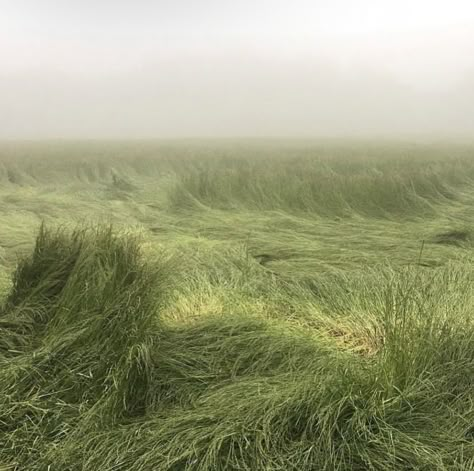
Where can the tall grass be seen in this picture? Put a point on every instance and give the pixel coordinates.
(287, 336)
(78, 331)
(331, 179)
(328, 187)
(92, 377)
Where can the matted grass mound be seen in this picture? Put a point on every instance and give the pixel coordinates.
(91, 379)
(78, 331)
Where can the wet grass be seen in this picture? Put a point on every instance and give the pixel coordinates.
(260, 329)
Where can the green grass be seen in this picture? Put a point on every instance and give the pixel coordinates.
(256, 306)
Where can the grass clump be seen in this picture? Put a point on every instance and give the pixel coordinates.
(78, 330)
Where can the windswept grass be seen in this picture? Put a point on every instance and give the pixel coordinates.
(258, 306)
(77, 335)
(327, 186)
(92, 377)
(328, 179)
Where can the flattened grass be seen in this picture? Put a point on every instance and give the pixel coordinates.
(319, 316)
(91, 378)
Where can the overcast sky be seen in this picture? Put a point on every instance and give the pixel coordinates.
(190, 68)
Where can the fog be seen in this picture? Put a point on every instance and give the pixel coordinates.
(209, 68)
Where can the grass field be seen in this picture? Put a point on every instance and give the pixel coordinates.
(236, 305)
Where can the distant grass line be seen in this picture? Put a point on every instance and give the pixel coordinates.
(327, 187)
(92, 377)
(329, 180)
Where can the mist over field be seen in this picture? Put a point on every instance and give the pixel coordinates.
(236, 235)
(220, 69)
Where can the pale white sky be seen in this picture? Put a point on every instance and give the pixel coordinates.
(168, 68)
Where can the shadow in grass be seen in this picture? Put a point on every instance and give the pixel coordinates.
(456, 237)
(120, 188)
(92, 378)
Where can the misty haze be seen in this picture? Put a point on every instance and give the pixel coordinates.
(179, 68)
(236, 235)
